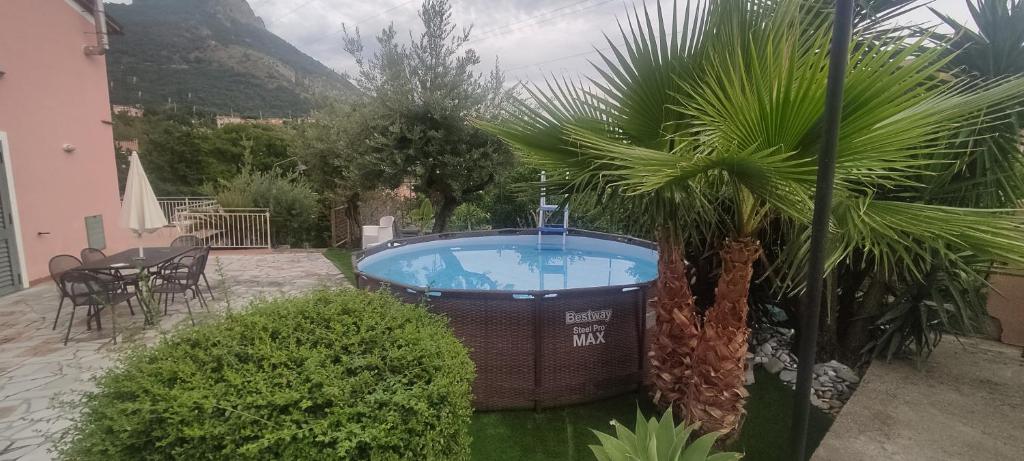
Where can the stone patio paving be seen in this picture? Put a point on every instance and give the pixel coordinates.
(965, 403)
(37, 371)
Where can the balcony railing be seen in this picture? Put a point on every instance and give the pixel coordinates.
(170, 205)
(216, 226)
(228, 227)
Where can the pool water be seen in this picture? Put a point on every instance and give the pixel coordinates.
(513, 263)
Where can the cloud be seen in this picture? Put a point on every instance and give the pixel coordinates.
(531, 38)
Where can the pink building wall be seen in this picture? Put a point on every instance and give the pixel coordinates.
(52, 94)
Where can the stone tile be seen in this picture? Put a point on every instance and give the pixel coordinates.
(37, 371)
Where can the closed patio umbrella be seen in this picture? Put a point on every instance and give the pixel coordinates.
(140, 211)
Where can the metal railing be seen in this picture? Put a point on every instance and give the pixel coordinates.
(226, 227)
(170, 205)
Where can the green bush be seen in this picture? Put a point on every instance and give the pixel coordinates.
(332, 375)
(467, 217)
(294, 206)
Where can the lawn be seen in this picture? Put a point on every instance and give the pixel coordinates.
(564, 433)
(342, 259)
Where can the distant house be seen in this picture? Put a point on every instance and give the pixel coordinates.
(127, 145)
(131, 111)
(58, 184)
(223, 120)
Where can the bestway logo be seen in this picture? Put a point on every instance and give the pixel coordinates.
(588, 316)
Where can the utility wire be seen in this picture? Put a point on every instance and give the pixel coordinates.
(542, 21)
(528, 18)
(290, 12)
(382, 13)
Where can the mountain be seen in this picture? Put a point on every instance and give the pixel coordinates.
(214, 54)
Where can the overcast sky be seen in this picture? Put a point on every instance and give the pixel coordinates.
(531, 38)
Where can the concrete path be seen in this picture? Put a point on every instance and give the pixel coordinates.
(967, 403)
(37, 372)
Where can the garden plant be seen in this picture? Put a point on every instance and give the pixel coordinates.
(331, 375)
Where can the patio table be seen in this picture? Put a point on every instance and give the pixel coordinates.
(129, 259)
(153, 257)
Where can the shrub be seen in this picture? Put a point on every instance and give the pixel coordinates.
(294, 206)
(332, 375)
(467, 217)
(655, 440)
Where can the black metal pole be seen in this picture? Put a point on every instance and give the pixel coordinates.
(839, 55)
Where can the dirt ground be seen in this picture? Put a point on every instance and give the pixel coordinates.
(965, 403)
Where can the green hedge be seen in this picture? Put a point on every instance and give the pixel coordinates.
(333, 375)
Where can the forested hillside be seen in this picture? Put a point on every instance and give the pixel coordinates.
(213, 54)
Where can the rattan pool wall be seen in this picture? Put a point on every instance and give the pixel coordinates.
(538, 348)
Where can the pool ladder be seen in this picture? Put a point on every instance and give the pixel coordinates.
(545, 211)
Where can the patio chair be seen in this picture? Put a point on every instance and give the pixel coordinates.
(58, 266)
(185, 259)
(181, 278)
(115, 279)
(92, 254)
(376, 235)
(87, 289)
(187, 241)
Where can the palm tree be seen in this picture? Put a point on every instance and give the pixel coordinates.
(985, 171)
(732, 147)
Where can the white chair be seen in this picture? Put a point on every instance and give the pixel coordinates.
(376, 235)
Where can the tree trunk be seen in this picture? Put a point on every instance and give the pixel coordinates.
(858, 328)
(676, 328)
(355, 228)
(828, 334)
(717, 395)
(444, 213)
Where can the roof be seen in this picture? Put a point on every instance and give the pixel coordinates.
(112, 26)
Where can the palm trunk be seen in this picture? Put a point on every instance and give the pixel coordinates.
(676, 328)
(717, 395)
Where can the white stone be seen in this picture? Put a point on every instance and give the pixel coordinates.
(774, 365)
(847, 375)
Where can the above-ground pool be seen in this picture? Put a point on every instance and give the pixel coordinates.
(546, 324)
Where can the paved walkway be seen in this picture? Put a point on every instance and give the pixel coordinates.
(967, 403)
(37, 372)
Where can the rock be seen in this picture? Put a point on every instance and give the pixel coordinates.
(749, 377)
(847, 375)
(750, 355)
(787, 375)
(760, 359)
(766, 349)
(819, 404)
(774, 365)
(819, 369)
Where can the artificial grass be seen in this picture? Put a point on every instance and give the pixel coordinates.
(563, 434)
(342, 259)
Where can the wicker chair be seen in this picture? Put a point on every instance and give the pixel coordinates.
(86, 289)
(187, 241)
(58, 266)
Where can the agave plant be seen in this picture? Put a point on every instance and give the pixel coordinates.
(658, 440)
(714, 135)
